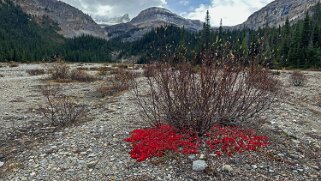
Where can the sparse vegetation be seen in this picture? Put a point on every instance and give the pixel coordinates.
(297, 78)
(220, 93)
(13, 64)
(59, 70)
(60, 109)
(119, 82)
(81, 76)
(35, 72)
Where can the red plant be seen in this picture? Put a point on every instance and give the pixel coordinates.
(231, 139)
(154, 142)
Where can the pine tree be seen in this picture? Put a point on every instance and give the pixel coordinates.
(207, 30)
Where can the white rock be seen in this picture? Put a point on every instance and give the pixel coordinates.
(202, 156)
(254, 166)
(199, 165)
(1, 164)
(227, 168)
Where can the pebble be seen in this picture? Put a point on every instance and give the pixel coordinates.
(199, 165)
(92, 164)
(202, 157)
(1, 163)
(227, 168)
(254, 166)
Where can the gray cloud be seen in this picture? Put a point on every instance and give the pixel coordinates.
(114, 8)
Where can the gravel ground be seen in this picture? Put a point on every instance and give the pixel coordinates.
(31, 149)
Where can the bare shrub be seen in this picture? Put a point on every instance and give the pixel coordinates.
(83, 68)
(219, 93)
(35, 72)
(13, 64)
(121, 66)
(119, 82)
(106, 90)
(59, 70)
(103, 71)
(297, 78)
(60, 109)
(81, 76)
(121, 79)
(148, 71)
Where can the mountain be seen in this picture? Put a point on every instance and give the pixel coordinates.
(71, 21)
(147, 20)
(112, 21)
(276, 13)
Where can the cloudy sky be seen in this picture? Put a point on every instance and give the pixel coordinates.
(231, 11)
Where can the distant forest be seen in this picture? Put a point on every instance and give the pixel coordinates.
(294, 45)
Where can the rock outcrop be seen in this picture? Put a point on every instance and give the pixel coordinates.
(71, 21)
(276, 13)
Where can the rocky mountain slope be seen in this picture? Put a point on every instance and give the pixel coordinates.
(71, 21)
(276, 13)
(149, 19)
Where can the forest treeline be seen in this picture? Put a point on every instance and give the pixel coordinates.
(294, 45)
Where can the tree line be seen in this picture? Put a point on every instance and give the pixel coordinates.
(294, 45)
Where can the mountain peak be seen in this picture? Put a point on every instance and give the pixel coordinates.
(155, 10)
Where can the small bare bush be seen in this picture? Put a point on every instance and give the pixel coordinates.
(60, 109)
(59, 70)
(81, 76)
(121, 66)
(103, 71)
(148, 71)
(34, 72)
(13, 64)
(218, 93)
(297, 78)
(106, 90)
(119, 82)
(121, 79)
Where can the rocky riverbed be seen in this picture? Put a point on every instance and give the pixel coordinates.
(32, 149)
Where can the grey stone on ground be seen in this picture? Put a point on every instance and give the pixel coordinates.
(227, 168)
(1, 163)
(199, 165)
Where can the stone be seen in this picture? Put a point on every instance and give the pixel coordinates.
(91, 155)
(227, 168)
(92, 164)
(271, 171)
(191, 157)
(301, 170)
(199, 165)
(202, 156)
(1, 163)
(254, 166)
